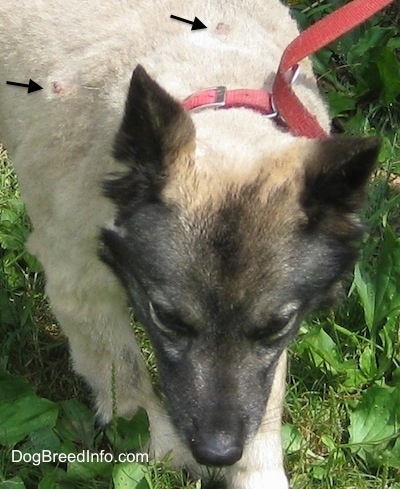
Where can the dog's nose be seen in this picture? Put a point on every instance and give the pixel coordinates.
(217, 449)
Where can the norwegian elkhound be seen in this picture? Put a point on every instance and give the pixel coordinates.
(219, 227)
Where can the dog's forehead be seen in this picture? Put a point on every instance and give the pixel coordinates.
(236, 210)
(236, 246)
(221, 167)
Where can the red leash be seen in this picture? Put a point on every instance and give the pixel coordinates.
(283, 101)
(297, 117)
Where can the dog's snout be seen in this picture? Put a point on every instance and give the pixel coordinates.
(216, 449)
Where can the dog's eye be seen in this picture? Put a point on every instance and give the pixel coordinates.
(168, 322)
(275, 329)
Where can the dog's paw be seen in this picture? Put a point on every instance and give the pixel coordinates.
(166, 444)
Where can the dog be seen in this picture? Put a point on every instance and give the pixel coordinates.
(219, 227)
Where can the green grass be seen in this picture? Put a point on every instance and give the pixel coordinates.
(343, 403)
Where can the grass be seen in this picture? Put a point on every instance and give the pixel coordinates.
(342, 409)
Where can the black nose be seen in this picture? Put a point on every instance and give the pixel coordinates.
(216, 449)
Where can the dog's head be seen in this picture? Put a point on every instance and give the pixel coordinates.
(221, 263)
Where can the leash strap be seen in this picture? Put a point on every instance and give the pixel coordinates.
(299, 120)
(283, 102)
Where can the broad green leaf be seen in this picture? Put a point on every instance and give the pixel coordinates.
(374, 36)
(14, 483)
(328, 441)
(396, 376)
(375, 419)
(43, 439)
(340, 102)
(48, 483)
(323, 349)
(320, 61)
(76, 423)
(388, 68)
(368, 362)
(86, 471)
(56, 480)
(129, 476)
(22, 416)
(12, 388)
(392, 455)
(293, 440)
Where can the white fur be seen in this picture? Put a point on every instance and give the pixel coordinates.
(60, 139)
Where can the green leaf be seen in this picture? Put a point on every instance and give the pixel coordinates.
(48, 483)
(363, 284)
(387, 273)
(86, 471)
(368, 362)
(387, 72)
(328, 441)
(14, 483)
(56, 480)
(340, 102)
(129, 434)
(375, 418)
(12, 388)
(76, 423)
(374, 36)
(22, 416)
(323, 349)
(320, 61)
(391, 456)
(293, 440)
(129, 476)
(43, 439)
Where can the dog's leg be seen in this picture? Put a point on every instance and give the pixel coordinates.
(91, 307)
(261, 466)
(102, 367)
(104, 351)
(103, 347)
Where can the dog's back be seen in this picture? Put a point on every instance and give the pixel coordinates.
(83, 56)
(89, 46)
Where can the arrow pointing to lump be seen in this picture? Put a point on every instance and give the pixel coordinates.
(196, 23)
(32, 86)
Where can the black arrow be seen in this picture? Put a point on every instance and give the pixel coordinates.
(32, 86)
(196, 24)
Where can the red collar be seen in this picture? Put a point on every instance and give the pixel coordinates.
(283, 102)
(222, 98)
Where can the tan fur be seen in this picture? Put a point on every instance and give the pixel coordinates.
(60, 140)
(192, 178)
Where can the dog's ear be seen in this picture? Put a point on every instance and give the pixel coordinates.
(155, 129)
(336, 176)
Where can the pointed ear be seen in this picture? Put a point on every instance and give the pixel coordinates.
(336, 176)
(155, 128)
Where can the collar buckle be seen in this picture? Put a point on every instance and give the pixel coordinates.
(212, 97)
(220, 96)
